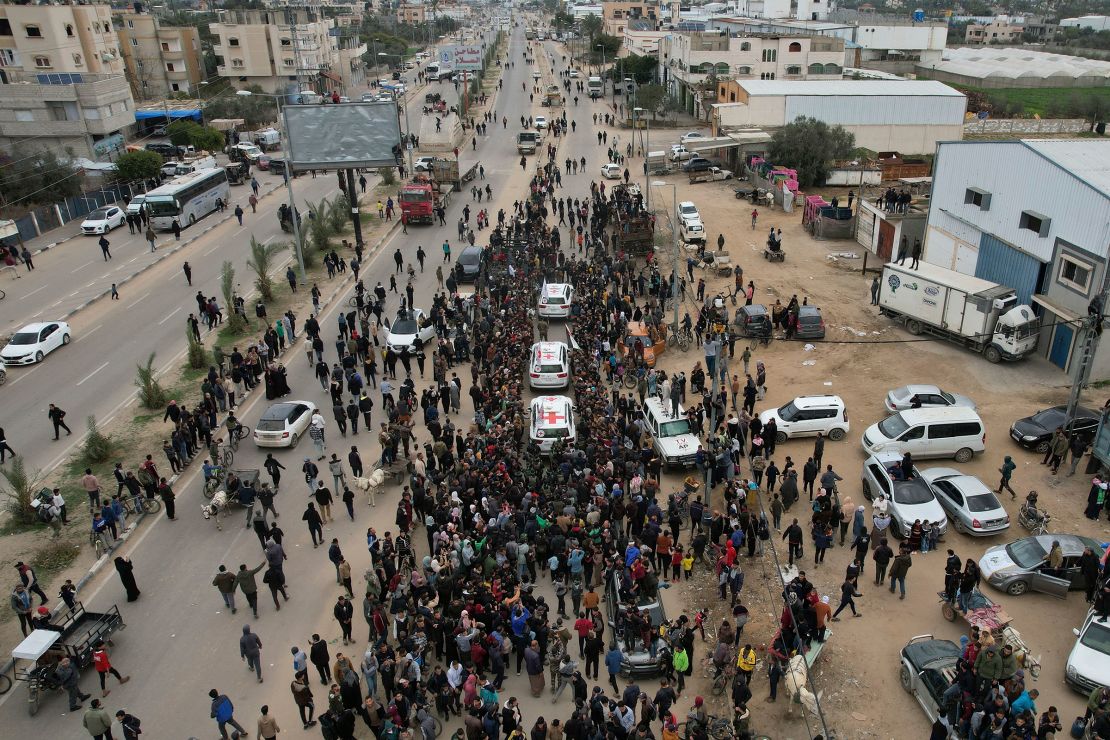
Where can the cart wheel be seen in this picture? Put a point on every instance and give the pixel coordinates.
(948, 612)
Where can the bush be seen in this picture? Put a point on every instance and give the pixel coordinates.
(21, 489)
(339, 213)
(197, 355)
(236, 321)
(388, 175)
(98, 446)
(151, 394)
(53, 557)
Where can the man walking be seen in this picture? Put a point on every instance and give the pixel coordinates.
(244, 579)
(1007, 471)
(186, 268)
(223, 712)
(57, 418)
(267, 726)
(793, 537)
(847, 591)
(225, 583)
(97, 722)
(250, 650)
(150, 239)
(898, 570)
(239, 213)
(104, 244)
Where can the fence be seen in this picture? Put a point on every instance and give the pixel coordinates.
(1027, 126)
(42, 219)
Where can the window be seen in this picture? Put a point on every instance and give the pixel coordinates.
(817, 69)
(745, 46)
(1075, 274)
(237, 63)
(832, 69)
(130, 24)
(287, 62)
(91, 114)
(795, 47)
(5, 27)
(744, 70)
(233, 41)
(134, 42)
(169, 67)
(285, 42)
(77, 60)
(767, 76)
(979, 198)
(175, 87)
(793, 70)
(1035, 222)
(32, 32)
(770, 55)
(165, 46)
(62, 111)
(69, 30)
(42, 62)
(27, 116)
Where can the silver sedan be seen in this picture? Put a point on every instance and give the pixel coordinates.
(973, 508)
(923, 396)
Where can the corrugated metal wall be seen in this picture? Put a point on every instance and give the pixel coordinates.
(1002, 264)
(878, 110)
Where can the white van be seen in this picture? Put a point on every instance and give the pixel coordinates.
(552, 419)
(691, 232)
(555, 300)
(550, 365)
(670, 435)
(955, 432)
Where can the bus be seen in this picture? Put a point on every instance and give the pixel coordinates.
(187, 198)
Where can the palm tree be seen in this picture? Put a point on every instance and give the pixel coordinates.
(262, 257)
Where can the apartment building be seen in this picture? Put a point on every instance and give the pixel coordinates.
(644, 16)
(411, 14)
(263, 47)
(641, 43)
(62, 84)
(688, 60)
(160, 61)
(998, 31)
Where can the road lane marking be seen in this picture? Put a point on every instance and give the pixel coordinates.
(94, 372)
(86, 334)
(36, 290)
(213, 249)
(170, 314)
(73, 294)
(138, 300)
(82, 267)
(24, 375)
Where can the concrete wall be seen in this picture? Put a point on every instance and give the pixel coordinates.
(1027, 126)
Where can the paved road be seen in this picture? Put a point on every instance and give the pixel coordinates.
(93, 375)
(180, 642)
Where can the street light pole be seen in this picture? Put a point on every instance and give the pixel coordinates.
(674, 246)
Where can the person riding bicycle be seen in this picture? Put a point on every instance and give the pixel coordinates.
(210, 471)
(234, 426)
(697, 720)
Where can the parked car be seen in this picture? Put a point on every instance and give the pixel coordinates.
(693, 137)
(1088, 665)
(972, 506)
(167, 151)
(1020, 566)
(423, 164)
(923, 397)
(34, 342)
(1035, 432)
(810, 323)
(755, 321)
(103, 220)
(636, 660)
(928, 667)
(910, 500)
(573, 73)
(469, 264)
(611, 171)
(540, 122)
(283, 424)
(679, 153)
(687, 211)
(135, 205)
(697, 164)
(639, 330)
(407, 328)
(805, 416)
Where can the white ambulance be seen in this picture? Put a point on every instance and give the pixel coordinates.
(555, 300)
(552, 419)
(550, 365)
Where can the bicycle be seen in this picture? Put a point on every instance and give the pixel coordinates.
(240, 432)
(681, 337)
(213, 484)
(149, 504)
(722, 678)
(5, 679)
(97, 544)
(719, 728)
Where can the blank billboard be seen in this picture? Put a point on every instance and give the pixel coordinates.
(343, 135)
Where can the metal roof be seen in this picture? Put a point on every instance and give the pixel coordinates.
(839, 88)
(1086, 159)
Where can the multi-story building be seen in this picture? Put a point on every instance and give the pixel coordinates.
(688, 60)
(283, 50)
(645, 16)
(411, 14)
(62, 85)
(998, 31)
(641, 43)
(160, 61)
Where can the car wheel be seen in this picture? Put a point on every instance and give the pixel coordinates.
(192, 219)
(38, 356)
(905, 679)
(780, 438)
(895, 529)
(867, 495)
(293, 441)
(1017, 588)
(65, 339)
(959, 526)
(964, 454)
(836, 434)
(1042, 447)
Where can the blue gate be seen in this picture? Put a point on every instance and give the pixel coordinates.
(1001, 263)
(1061, 346)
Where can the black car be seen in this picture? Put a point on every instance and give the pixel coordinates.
(810, 323)
(469, 264)
(168, 151)
(697, 164)
(754, 321)
(1035, 432)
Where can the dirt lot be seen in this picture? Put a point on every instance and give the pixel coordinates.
(863, 356)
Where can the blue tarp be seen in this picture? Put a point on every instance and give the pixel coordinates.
(143, 115)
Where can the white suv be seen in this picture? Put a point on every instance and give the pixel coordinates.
(687, 211)
(808, 415)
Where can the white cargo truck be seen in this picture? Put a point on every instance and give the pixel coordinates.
(976, 313)
(595, 87)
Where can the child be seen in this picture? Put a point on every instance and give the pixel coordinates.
(676, 563)
(68, 593)
(688, 563)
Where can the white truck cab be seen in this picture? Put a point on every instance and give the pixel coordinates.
(552, 419)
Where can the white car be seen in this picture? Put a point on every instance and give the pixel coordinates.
(573, 73)
(910, 500)
(805, 416)
(283, 424)
(611, 171)
(973, 508)
(135, 205)
(535, 75)
(550, 365)
(693, 137)
(1088, 663)
(423, 164)
(552, 419)
(34, 342)
(540, 122)
(679, 153)
(687, 211)
(407, 329)
(103, 220)
(923, 397)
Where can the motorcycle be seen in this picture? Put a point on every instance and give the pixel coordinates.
(773, 251)
(1033, 519)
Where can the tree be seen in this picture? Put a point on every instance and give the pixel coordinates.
(255, 110)
(261, 260)
(591, 27)
(22, 485)
(610, 45)
(640, 68)
(235, 319)
(139, 165)
(650, 98)
(810, 146)
(181, 132)
(191, 133)
(151, 393)
(40, 177)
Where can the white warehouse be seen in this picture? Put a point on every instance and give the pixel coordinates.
(907, 116)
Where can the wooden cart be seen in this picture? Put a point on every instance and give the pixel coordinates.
(991, 617)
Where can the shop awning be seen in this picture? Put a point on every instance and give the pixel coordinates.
(331, 76)
(143, 115)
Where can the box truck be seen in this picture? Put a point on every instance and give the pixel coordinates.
(976, 313)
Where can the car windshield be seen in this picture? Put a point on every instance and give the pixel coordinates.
(98, 215)
(556, 432)
(1049, 418)
(1027, 553)
(1097, 637)
(984, 502)
(893, 426)
(406, 326)
(788, 412)
(674, 428)
(912, 492)
(948, 397)
(163, 206)
(25, 337)
(809, 319)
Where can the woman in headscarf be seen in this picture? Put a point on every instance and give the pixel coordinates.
(1096, 498)
(127, 576)
(914, 540)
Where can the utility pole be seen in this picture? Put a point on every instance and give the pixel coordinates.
(1091, 326)
(352, 196)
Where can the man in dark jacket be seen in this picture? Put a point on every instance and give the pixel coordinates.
(318, 654)
(882, 557)
(793, 536)
(68, 677)
(899, 569)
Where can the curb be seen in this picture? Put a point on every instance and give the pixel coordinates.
(68, 314)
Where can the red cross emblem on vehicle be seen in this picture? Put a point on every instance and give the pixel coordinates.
(552, 417)
(547, 355)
